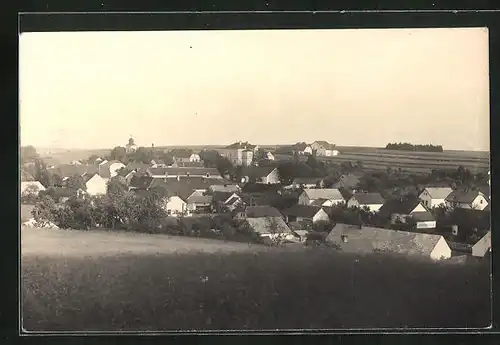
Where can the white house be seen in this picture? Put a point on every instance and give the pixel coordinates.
(308, 196)
(261, 175)
(31, 187)
(482, 246)
(198, 200)
(467, 198)
(269, 156)
(108, 169)
(405, 210)
(308, 150)
(195, 158)
(176, 207)
(96, 185)
(372, 201)
(270, 227)
(324, 148)
(239, 153)
(363, 239)
(434, 196)
(312, 214)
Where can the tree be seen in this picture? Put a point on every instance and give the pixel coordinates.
(92, 159)
(76, 182)
(30, 195)
(28, 154)
(118, 153)
(44, 211)
(116, 187)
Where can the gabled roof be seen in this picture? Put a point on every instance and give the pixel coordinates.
(261, 199)
(26, 184)
(135, 166)
(199, 199)
(400, 206)
(349, 180)
(124, 172)
(303, 211)
(323, 143)
(230, 188)
(221, 196)
(184, 171)
(480, 219)
(438, 192)
(423, 216)
(369, 198)
(308, 180)
(319, 202)
(185, 187)
(268, 226)
(257, 171)
(261, 211)
(240, 145)
(324, 193)
(464, 196)
(367, 239)
(180, 164)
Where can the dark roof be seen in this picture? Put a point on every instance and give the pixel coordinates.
(261, 211)
(136, 166)
(61, 192)
(369, 198)
(157, 183)
(124, 172)
(308, 180)
(319, 202)
(470, 218)
(423, 216)
(400, 206)
(465, 196)
(140, 182)
(181, 153)
(299, 146)
(367, 239)
(257, 171)
(303, 211)
(184, 171)
(184, 187)
(221, 196)
(262, 199)
(240, 145)
(325, 144)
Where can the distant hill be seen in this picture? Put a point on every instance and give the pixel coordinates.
(65, 156)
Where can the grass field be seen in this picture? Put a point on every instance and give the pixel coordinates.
(102, 281)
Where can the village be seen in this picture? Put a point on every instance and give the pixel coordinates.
(278, 201)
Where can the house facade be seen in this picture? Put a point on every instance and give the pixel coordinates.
(131, 146)
(195, 158)
(434, 197)
(371, 201)
(261, 175)
(308, 196)
(305, 213)
(323, 148)
(483, 246)
(363, 239)
(406, 211)
(97, 185)
(176, 207)
(468, 199)
(109, 169)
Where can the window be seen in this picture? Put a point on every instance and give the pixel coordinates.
(344, 238)
(207, 175)
(481, 201)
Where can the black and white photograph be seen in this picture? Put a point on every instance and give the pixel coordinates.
(254, 180)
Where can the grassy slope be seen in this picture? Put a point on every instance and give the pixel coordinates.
(252, 288)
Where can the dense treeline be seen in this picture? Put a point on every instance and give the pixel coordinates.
(411, 147)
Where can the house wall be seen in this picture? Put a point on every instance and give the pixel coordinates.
(441, 251)
(97, 185)
(320, 216)
(308, 150)
(272, 178)
(113, 168)
(482, 246)
(431, 224)
(418, 208)
(479, 203)
(304, 199)
(195, 158)
(425, 198)
(373, 207)
(175, 205)
(352, 202)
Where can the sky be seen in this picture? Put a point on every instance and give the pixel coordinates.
(356, 87)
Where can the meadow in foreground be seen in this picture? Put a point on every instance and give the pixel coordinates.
(270, 289)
